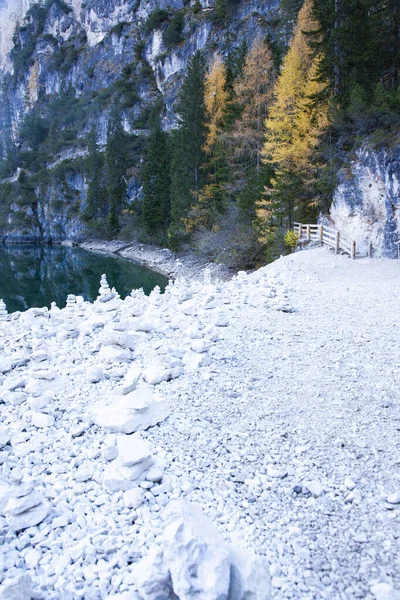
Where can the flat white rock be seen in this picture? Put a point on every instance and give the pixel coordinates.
(15, 506)
(132, 450)
(131, 379)
(17, 588)
(29, 518)
(133, 498)
(41, 420)
(384, 591)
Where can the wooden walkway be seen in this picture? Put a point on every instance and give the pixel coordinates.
(326, 235)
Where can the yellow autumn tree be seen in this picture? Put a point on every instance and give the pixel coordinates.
(216, 99)
(253, 95)
(295, 123)
(211, 198)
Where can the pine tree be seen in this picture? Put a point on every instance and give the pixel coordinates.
(252, 95)
(116, 162)
(95, 198)
(253, 92)
(359, 43)
(295, 124)
(156, 180)
(211, 198)
(188, 146)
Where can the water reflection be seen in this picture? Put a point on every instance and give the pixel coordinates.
(38, 275)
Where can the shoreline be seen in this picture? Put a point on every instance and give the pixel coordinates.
(161, 260)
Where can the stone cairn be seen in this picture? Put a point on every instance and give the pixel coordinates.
(104, 287)
(3, 311)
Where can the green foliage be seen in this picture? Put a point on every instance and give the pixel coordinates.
(173, 33)
(64, 58)
(291, 238)
(197, 8)
(116, 162)
(155, 19)
(139, 49)
(34, 130)
(156, 180)
(188, 145)
(118, 28)
(96, 199)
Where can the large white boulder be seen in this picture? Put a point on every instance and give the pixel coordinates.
(135, 411)
(196, 555)
(195, 563)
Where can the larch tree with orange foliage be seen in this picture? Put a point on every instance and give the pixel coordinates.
(211, 199)
(253, 94)
(295, 125)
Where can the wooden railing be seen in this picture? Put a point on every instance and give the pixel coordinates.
(326, 235)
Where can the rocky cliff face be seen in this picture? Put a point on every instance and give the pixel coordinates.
(67, 64)
(366, 203)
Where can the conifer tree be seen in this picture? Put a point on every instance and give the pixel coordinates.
(188, 153)
(295, 124)
(116, 161)
(157, 180)
(252, 96)
(95, 198)
(211, 198)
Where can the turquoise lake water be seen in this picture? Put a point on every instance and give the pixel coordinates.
(38, 275)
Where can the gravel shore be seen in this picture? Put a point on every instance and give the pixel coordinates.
(282, 389)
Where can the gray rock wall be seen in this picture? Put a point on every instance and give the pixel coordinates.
(366, 203)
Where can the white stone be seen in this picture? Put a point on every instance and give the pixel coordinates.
(113, 481)
(156, 374)
(314, 487)
(221, 321)
(189, 307)
(32, 558)
(29, 518)
(152, 578)
(135, 411)
(276, 472)
(5, 436)
(131, 379)
(154, 474)
(114, 354)
(250, 577)
(133, 498)
(42, 420)
(135, 471)
(195, 554)
(394, 498)
(17, 588)
(119, 338)
(349, 483)
(95, 374)
(15, 506)
(384, 591)
(84, 472)
(194, 360)
(132, 449)
(201, 345)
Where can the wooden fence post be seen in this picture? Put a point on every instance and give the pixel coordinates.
(353, 250)
(337, 242)
(321, 233)
(308, 232)
(370, 249)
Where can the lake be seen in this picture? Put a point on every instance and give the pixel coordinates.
(38, 275)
